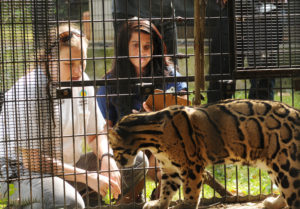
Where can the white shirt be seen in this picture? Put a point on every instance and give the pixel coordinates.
(26, 119)
(82, 120)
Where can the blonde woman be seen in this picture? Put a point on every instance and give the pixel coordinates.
(76, 174)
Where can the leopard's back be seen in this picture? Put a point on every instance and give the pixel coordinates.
(247, 130)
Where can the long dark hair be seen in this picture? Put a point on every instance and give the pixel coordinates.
(123, 68)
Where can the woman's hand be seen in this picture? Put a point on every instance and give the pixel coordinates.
(146, 107)
(135, 111)
(109, 169)
(109, 164)
(103, 185)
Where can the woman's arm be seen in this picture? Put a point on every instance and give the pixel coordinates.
(33, 161)
(99, 144)
(101, 149)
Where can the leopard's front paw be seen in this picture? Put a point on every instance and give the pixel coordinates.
(155, 204)
(274, 203)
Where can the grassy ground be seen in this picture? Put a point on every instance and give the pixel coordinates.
(240, 180)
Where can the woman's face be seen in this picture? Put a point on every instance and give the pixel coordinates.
(72, 66)
(140, 50)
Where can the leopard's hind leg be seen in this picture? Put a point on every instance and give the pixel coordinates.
(286, 174)
(290, 190)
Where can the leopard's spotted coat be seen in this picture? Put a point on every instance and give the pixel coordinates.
(185, 140)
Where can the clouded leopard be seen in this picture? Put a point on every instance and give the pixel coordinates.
(185, 140)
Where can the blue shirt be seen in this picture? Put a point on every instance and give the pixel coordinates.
(112, 110)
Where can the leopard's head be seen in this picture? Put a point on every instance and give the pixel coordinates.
(124, 141)
(124, 156)
(136, 132)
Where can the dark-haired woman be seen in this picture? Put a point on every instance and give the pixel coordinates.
(140, 53)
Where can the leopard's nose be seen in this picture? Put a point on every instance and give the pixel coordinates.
(123, 161)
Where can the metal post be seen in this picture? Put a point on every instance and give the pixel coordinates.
(199, 33)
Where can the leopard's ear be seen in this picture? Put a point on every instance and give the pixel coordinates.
(113, 137)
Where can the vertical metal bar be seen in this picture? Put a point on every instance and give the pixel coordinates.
(272, 192)
(83, 95)
(186, 44)
(2, 37)
(13, 38)
(289, 33)
(199, 33)
(237, 183)
(36, 45)
(225, 179)
(26, 93)
(60, 108)
(214, 178)
(105, 67)
(260, 183)
(248, 177)
(254, 36)
(175, 50)
(232, 37)
(265, 18)
(46, 32)
(293, 91)
(94, 74)
(280, 88)
(277, 64)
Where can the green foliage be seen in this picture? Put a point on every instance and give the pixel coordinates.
(108, 199)
(100, 63)
(4, 201)
(16, 38)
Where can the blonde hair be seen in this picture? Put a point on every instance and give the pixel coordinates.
(71, 36)
(66, 35)
(56, 39)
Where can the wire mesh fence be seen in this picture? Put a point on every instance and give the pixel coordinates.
(267, 34)
(27, 112)
(59, 84)
(267, 48)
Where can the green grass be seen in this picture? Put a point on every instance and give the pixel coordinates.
(286, 95)
(237, 178)
(3, 202)
(241, 180)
